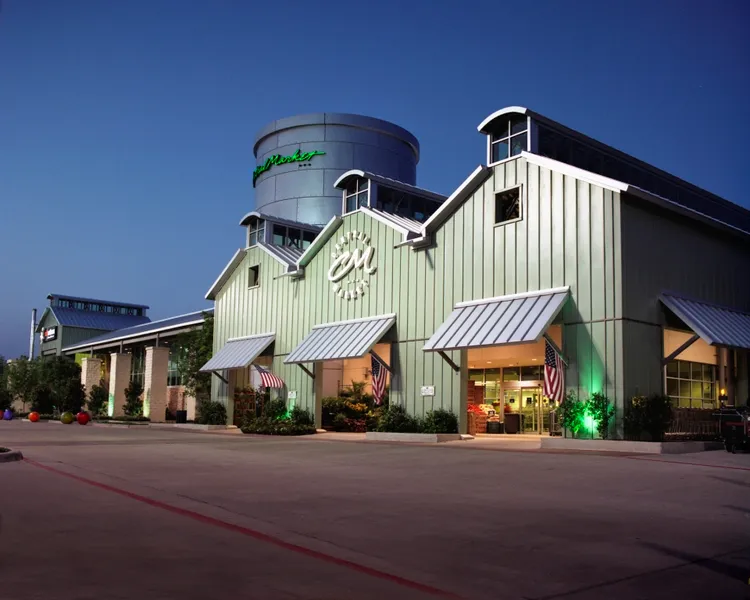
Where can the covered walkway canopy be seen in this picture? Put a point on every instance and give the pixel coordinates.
(514, 319)
(343, 339)
(714, 324)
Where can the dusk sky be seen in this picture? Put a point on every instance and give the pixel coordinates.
(126, 127)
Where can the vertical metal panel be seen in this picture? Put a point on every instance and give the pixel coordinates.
(597, 239)
(584, 251)
(570, 200)
(545, 230)
(532, 227)
(609, 256)
(557, 249)
(487, 250)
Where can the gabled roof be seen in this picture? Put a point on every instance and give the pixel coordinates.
(94, 301)
(279, 220)
(409, 226)
(388, 182)
(85, 319)
(161, 326)
(224, 276)
(456, 199)
(702, 201)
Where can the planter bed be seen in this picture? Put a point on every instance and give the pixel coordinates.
(413, 438)
(114, 423)
(559, 443)
(194, 427)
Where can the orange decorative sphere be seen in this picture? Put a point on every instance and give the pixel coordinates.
(82, 418)
(34, 417)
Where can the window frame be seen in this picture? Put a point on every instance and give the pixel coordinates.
(257, 226)
(520, 188)
(346, 195)
(507, 136)
(250, 269)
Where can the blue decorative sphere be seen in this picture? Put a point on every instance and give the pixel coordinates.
(8, 415)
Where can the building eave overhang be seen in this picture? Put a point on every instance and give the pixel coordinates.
(226, 273)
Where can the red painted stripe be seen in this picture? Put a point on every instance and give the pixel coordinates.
(676, 462)
(263, 537)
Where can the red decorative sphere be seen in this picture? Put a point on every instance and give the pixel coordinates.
(34, 417)
(82, 418)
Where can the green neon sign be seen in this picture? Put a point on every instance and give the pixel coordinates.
(277, 159)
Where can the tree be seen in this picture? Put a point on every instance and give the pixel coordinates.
(61, 377)
(195, 350)
(98, 399)
(133, 403)
(6, 399)
(22, 379)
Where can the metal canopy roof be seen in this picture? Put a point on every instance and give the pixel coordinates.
(716, 325)
(238, 353)
(344, 339)
(515, 319)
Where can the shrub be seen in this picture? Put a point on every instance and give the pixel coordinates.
(572, 413)
(41, 400)
(6, 398)
(397, 420)
(133, 403)
(275, 409)
(602, 411)
(211, 412)
(648, 417)
(300, 416)
(98, 399)
(267, 426)
(440, 421)
(126, 418)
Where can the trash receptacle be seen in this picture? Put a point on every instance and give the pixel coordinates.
(181, 416)
(495, 427)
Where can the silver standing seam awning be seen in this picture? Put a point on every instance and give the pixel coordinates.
(343, 339)
(716, 325)
(238, 353)
(514, 319)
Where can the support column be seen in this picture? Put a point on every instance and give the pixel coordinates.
(91, 373)
(119, 380)
(721, 356)
(155, 383)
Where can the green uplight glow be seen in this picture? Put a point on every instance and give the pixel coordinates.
(589, 423)
(277, 159)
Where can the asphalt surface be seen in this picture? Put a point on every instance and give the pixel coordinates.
(101, 513)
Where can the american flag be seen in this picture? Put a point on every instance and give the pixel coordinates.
(378, 380)
(554, 374)
(268, 379)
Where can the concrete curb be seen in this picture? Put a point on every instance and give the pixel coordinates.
(12, 456)
(412, 438)
(558, 443)
(193, 427)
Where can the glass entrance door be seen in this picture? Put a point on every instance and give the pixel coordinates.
(531, 406)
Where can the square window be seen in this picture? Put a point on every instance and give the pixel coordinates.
(253, 238)
(511, 374)
(673, 387)
(697, 371)
(685, 389)
(253, 276)
(279, 234)
(517, 124)
(697, 390)
(672, 369)
(508, 205)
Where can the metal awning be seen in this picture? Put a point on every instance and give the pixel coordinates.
(716, 325)
(238, 353)
(515, 319)
(345, 339)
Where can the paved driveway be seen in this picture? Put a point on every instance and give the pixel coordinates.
(124, 513)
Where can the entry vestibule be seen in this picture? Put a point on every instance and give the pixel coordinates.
(507, 384)
(340, 375)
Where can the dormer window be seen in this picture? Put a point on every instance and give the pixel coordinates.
(256, 232)
(508, 138)
(356, 194)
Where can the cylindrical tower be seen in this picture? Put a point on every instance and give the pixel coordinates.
(298, 159)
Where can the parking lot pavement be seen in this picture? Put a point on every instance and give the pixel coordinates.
(99, 513)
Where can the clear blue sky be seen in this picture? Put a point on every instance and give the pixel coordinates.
(126, 128)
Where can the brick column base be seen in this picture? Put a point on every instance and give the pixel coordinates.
(91, 373)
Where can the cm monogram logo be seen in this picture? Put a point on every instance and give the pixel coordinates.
(352, 257)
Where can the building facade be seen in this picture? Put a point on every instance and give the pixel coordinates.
(638, 293)
(146, 354)
(299, 158)
(69, 320)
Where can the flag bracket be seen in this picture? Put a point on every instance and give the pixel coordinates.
(556, 348)
(382, 362)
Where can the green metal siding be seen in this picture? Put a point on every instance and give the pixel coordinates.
(568, 235)
(662, 252)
